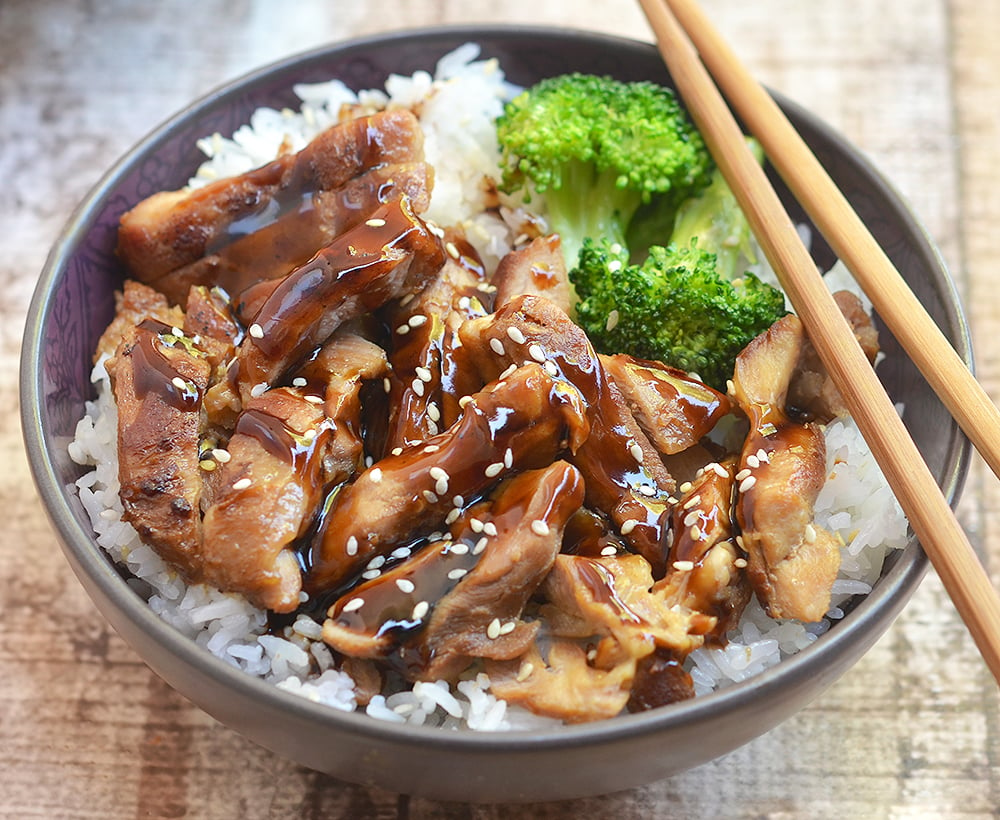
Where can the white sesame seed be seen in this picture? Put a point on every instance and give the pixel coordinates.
(510, 369)
(683, 566)
(465, 400)
(441, 487)
(457, 573)
(747, 483)
(299, 381)
(438, 473)
(452, 516)
(452, 250)
(405, 585)
(432, 448)
(647, 490)
(692, 518)
(375, 223)
(515, 335)
(207, 465)
(685, 487)
(481, 544)
(258, 390)
(494, 469)
(256, 331)
(508, 458)
(612, 321)
(490, 528)
(353, 605)
(636, 451)
(396, 451)
(314, 399)
(744, 473)
(493, 630)
(242, 484)
(458, 501)
(475, 524)
(693, 501)
(179, 383)
(351, 547)
(222, 456)
(376, 563)
(740, 563)
(628, 525)
(430, 497)
(609, 551)
(402, 330)
(176, 331)
(762, 455)
(386, 384)
(368, 459)
(375, 475)
(423, 374)
(695, 533)
(730, 387)
(550, 368)
(810, 534)
(753, 462)
(401, 552)
(525, 671)
(420, 610)
(536, 352)
(459, 548)
(539, 527)
(417, 320)
(371, 574)
(497, 347)
(508, 627)
(418, 387)
(433, 413)
(739, 542)
(720, 471)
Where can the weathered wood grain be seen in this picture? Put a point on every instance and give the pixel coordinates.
(86, 731)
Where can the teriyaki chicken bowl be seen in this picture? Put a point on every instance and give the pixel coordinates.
(423, 409)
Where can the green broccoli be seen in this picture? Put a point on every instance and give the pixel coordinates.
(597, 148)
(673, 308)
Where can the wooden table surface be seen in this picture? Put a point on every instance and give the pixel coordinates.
(87, 731)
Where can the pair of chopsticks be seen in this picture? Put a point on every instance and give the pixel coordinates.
(680, 29)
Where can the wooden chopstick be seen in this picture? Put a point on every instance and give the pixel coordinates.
(929, 514)
(848, 236)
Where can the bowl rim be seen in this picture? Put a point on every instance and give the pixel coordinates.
(882, 604)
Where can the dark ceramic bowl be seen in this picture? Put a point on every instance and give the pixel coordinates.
(74, 302)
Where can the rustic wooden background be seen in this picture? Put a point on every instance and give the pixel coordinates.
(87, 731)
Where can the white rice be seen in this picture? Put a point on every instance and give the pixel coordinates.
(457, 107)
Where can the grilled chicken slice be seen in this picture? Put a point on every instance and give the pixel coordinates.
(518, 423)
(171, 230)
(538, 269)
(812, 392)
(265, 488)
(158, 377)
(792, 561)
(462, 597)
(623, 471)
(389, 255)
(423, 397)
(674, 410)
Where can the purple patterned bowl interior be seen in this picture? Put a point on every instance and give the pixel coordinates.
(74, 302)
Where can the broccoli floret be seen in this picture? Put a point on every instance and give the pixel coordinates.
(673, 308)
(597, 148)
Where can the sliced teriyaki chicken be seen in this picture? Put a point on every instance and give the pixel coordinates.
(159, 376)
(605, 620)
(705, 568)
(623, 471)
(337, 374)
(387, 256)
(422, 383)
(812, 392)
(264, 490)
(134, 303)
(268, 221)
(673, 409)
(521, 422)
(792, 561)
(538, 269)
(462, 597)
